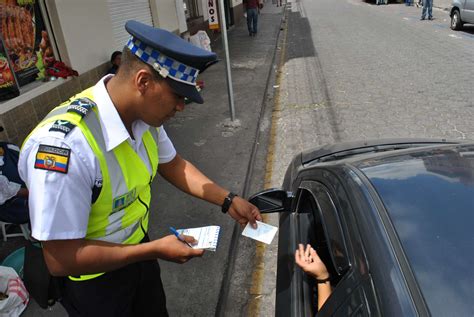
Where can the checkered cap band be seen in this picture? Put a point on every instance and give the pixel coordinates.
(174, 69)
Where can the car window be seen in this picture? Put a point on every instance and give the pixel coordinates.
(324, 233)
(327, 227)
(353, 294)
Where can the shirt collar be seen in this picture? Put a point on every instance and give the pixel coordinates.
(113, 129)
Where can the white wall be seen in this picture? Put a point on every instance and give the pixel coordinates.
(165, 15)
(205, 14)
(183, 27)
(83, 32)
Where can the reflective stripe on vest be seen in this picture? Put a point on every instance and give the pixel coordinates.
(120, 213)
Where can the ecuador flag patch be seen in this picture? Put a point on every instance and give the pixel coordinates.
(52, 158)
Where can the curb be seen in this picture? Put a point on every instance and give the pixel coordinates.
(225, 286)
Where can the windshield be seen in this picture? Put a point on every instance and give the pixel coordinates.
(430, 199)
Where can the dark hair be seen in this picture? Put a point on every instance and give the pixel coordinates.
(114, 55)
(131, 63)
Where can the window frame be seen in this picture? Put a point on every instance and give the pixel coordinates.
(320, 193)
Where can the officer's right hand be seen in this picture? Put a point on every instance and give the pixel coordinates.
(174, 250)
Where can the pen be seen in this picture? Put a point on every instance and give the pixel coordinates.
(180, 238)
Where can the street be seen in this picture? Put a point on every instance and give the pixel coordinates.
(352, 70)
(357, 71)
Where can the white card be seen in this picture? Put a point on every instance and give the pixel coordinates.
(263, 233)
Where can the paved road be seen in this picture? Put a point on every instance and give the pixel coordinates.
(353, 70)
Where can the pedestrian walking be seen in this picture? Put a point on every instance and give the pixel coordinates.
(89, 166)
(252, 8)
(427, 6)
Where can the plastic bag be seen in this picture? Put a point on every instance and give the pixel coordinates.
(202, 40)
(12, 286)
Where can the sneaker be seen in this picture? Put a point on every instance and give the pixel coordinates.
(422, 18)
(430, 18)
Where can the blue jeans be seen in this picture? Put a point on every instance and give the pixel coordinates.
(252, 20)
(15, 211)
(427, 5)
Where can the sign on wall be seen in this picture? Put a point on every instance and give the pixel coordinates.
(213, 17)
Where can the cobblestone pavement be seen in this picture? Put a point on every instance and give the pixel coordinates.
(358, 71)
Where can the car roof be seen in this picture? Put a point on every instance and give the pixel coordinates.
(429, 196)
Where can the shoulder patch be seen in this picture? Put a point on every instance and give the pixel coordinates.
(81, 106)
(63, 126)
(52, 158)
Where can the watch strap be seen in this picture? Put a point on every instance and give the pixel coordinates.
(227, 202)
(323, 280)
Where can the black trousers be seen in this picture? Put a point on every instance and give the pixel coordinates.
(134, 290)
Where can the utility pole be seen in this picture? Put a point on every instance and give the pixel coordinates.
(230, 90)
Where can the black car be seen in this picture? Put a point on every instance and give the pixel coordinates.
(393, 220)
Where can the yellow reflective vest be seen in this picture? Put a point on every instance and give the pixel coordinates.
(120, 212)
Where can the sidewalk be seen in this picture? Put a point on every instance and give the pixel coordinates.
(204, 135)
(442, 4)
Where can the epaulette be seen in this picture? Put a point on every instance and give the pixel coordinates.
(81, 106)
(63, 126)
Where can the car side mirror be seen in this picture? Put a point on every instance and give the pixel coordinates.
(272, 200)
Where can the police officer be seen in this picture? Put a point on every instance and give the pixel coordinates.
(89, 165)
(13, 192)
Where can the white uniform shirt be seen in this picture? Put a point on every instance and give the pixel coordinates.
(60, 203)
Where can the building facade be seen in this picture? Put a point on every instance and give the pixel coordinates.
(82, 34)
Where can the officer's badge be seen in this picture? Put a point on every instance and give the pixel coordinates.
(124, 201)
(52, 158)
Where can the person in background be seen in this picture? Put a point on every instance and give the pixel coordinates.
(427, 6)
(309, 261)
(115, 60)
(13, 192)
(252, 8)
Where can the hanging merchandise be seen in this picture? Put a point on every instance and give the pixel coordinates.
(8, 85)
(22, 28)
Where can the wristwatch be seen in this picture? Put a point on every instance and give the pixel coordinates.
(228, 202)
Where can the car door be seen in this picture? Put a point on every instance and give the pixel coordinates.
(316, 220)
(467, 14)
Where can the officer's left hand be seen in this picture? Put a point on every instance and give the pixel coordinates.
(243, 211)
